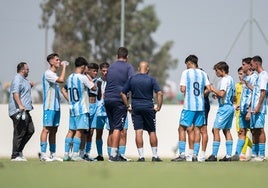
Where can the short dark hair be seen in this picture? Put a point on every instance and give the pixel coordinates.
(20, 66)
(80, 61)
(51, 56)
(93, 66)
(122, 52)
(222, 65)
(257, 59)
(247, 60)
(239, 69)
(104, 65)
(193, 59)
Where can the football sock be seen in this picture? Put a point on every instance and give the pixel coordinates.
(114, 151)
(76, 144)
(68, 143)
(154, 151)
(122, 150)
(43, 146)
(99, 144)
(262, 149)
(239, 146)
(141, 152)
(109, 151)
(181, 147)
(215, 148)
(229, 146)
(196, 148)
(52, 148)
(88, 147)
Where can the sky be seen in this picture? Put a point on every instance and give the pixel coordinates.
(206, 28)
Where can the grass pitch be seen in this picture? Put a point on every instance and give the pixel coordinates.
(36, 174)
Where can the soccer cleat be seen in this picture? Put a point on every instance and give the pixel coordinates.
(180, 158)
(235, 157)
(194, 158)
(22, 156)
(124, 158)
(99, 158)
(76, 158)
(19, 159)
(66, 158)
(225, 159)
(87, 158)
(258, 159)
(211, 158)
(114, 159)
(201, 158)
(142, 159)
(156, 159)
(55, 158)
(189, 158)
(46, 159)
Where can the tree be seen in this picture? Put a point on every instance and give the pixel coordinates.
(91, 28)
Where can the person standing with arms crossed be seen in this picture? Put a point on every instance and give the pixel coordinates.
(142, 87)
(51, 106)
(258, 110)
(118, 74)
(19, 107)
(192, 84)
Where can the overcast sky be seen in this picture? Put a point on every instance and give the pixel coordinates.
(206, 28)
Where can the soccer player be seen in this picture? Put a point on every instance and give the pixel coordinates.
(51, 106)
(118, 73)
(243, 95)
(92, 71)
(192, 84)
(258, 110)
(142, 87)
(77, 90)
(225, 113)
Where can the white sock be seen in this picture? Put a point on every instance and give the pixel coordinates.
(191, 151)
(202, 153)
(154, 150)
(141, 153)
(114, 152)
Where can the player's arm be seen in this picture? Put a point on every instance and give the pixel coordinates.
(218, 93)
(159, 101)
(183, 89)
(261, 99)
(62, 75)
(64, 93)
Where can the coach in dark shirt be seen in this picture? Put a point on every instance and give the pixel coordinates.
(142, 87)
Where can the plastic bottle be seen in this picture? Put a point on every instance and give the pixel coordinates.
(18, 116)
(23, 115)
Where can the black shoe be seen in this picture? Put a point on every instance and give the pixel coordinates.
(87, 158)
(99, 158)
(235, 158)
(211, 158)
(226, 159)
(181, 158)
(114, 159)
(141, 159)
(194, 158)
(156, 159)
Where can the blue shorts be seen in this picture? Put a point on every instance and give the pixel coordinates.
(51, 118)
(116, 113)
(125, 125)
(144, 119)
(224, 117)
(93, 114)
(99, 122)
(189, 118)
(257, 121)
(243, 123)
(79, 122)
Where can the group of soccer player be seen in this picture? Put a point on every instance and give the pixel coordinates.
(247, 99)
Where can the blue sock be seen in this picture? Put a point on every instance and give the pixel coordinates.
(99, 144)
(109, 151)
(43, 146)
(239, 146)
(76, 144)
(122, 150)
(254, 152)
(52, 148)
(215, 148)
(262, 149)
(88, 146)
(181, 147)
(196, 148)
(68, 143)
(229, 147)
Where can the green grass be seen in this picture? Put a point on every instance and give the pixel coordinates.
(36, 174)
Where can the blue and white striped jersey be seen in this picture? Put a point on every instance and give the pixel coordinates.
(260, 84)
(195, 81)
(246, 92)
(227, 84)
(51, 91)
(77, 87)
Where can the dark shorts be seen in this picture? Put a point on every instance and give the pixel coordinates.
(116, 113)
(144, 119)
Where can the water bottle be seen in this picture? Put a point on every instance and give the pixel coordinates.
(66, 63)
(18, 116)
(23, 115)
